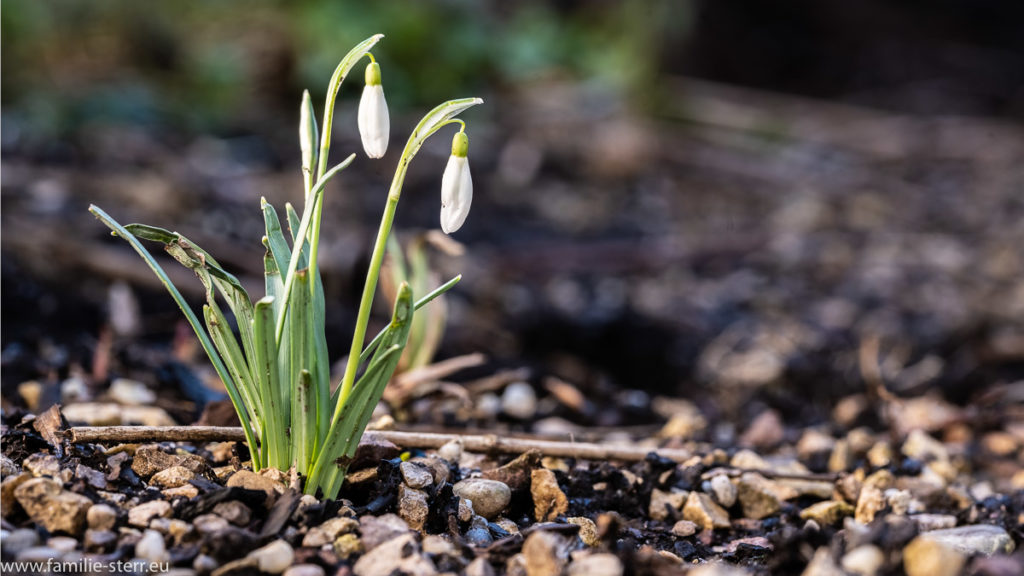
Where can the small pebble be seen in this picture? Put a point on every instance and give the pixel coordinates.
(187, 492)
(479, 537)
(507, 525)
(415, 475)
(99, 540)
(684, 528)
(273, 558)
(347, 546)
(929, 522)
(923, 557)
(465, 510)
(62, 543)
(519, 401)
(173, 477)
(413, 507)
(233, 511)
(545, 553)
(588, 530)
(304, 570)
(438, 546)
(399, 555)
(701, 510)
(665, 505)
(21, 539)
(130, 392)
(329, 531)
(921, 446)
(209, 524)
(42, 465)
(204, 564)
(489, 497)
(376, 530)
(488, 405)
(74, 389)
(723, 490)
(451, 451)
(757, 496)
(898, 501)
(8, 467)
(871, 502)
(142, 514)
(479, 567)
(602, 564)
(864, 560)
(822, 564)
(37, 554)
(983, 539)
(151, 547)
(827, 513)
(549, 502)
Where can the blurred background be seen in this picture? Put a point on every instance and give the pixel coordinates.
(725, 200)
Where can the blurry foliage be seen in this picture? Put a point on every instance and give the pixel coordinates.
(216, 65)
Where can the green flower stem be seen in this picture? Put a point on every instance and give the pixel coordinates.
(370, 288)
(430, 123)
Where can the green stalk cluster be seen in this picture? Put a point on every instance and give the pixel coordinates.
(277, 369)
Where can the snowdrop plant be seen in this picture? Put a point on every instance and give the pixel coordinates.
(276, 370)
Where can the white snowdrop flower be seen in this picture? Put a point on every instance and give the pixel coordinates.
(374, 123)
(456, 186)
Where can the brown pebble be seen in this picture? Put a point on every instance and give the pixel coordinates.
(549, 502)
(702, 510)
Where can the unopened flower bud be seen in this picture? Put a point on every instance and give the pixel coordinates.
(456, 186)
(374, 124)
(307, 134)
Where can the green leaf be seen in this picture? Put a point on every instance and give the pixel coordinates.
(235, 361)
(299, 334)
(275, 236)
(349, 423)
(278, 449)
(204, 339)
(434, 120)
(294, 221)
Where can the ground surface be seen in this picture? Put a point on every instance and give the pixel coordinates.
(823, 305)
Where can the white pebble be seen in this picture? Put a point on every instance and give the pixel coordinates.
(273, 558)
(151, 547)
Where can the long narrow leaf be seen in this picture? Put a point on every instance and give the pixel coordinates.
(344, 436)
(275, 236)
(300, 237)
(190, 255)
(278, 450)
(300, 332)
(226, 344)
(350, 419)
(190, 316)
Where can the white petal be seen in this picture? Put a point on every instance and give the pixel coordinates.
(374, 123)
(456, 194)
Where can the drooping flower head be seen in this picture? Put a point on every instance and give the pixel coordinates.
(374, 123)
(456, 186)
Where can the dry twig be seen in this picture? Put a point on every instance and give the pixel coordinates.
(487, 443)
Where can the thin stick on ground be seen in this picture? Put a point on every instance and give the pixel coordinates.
(486, 443)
